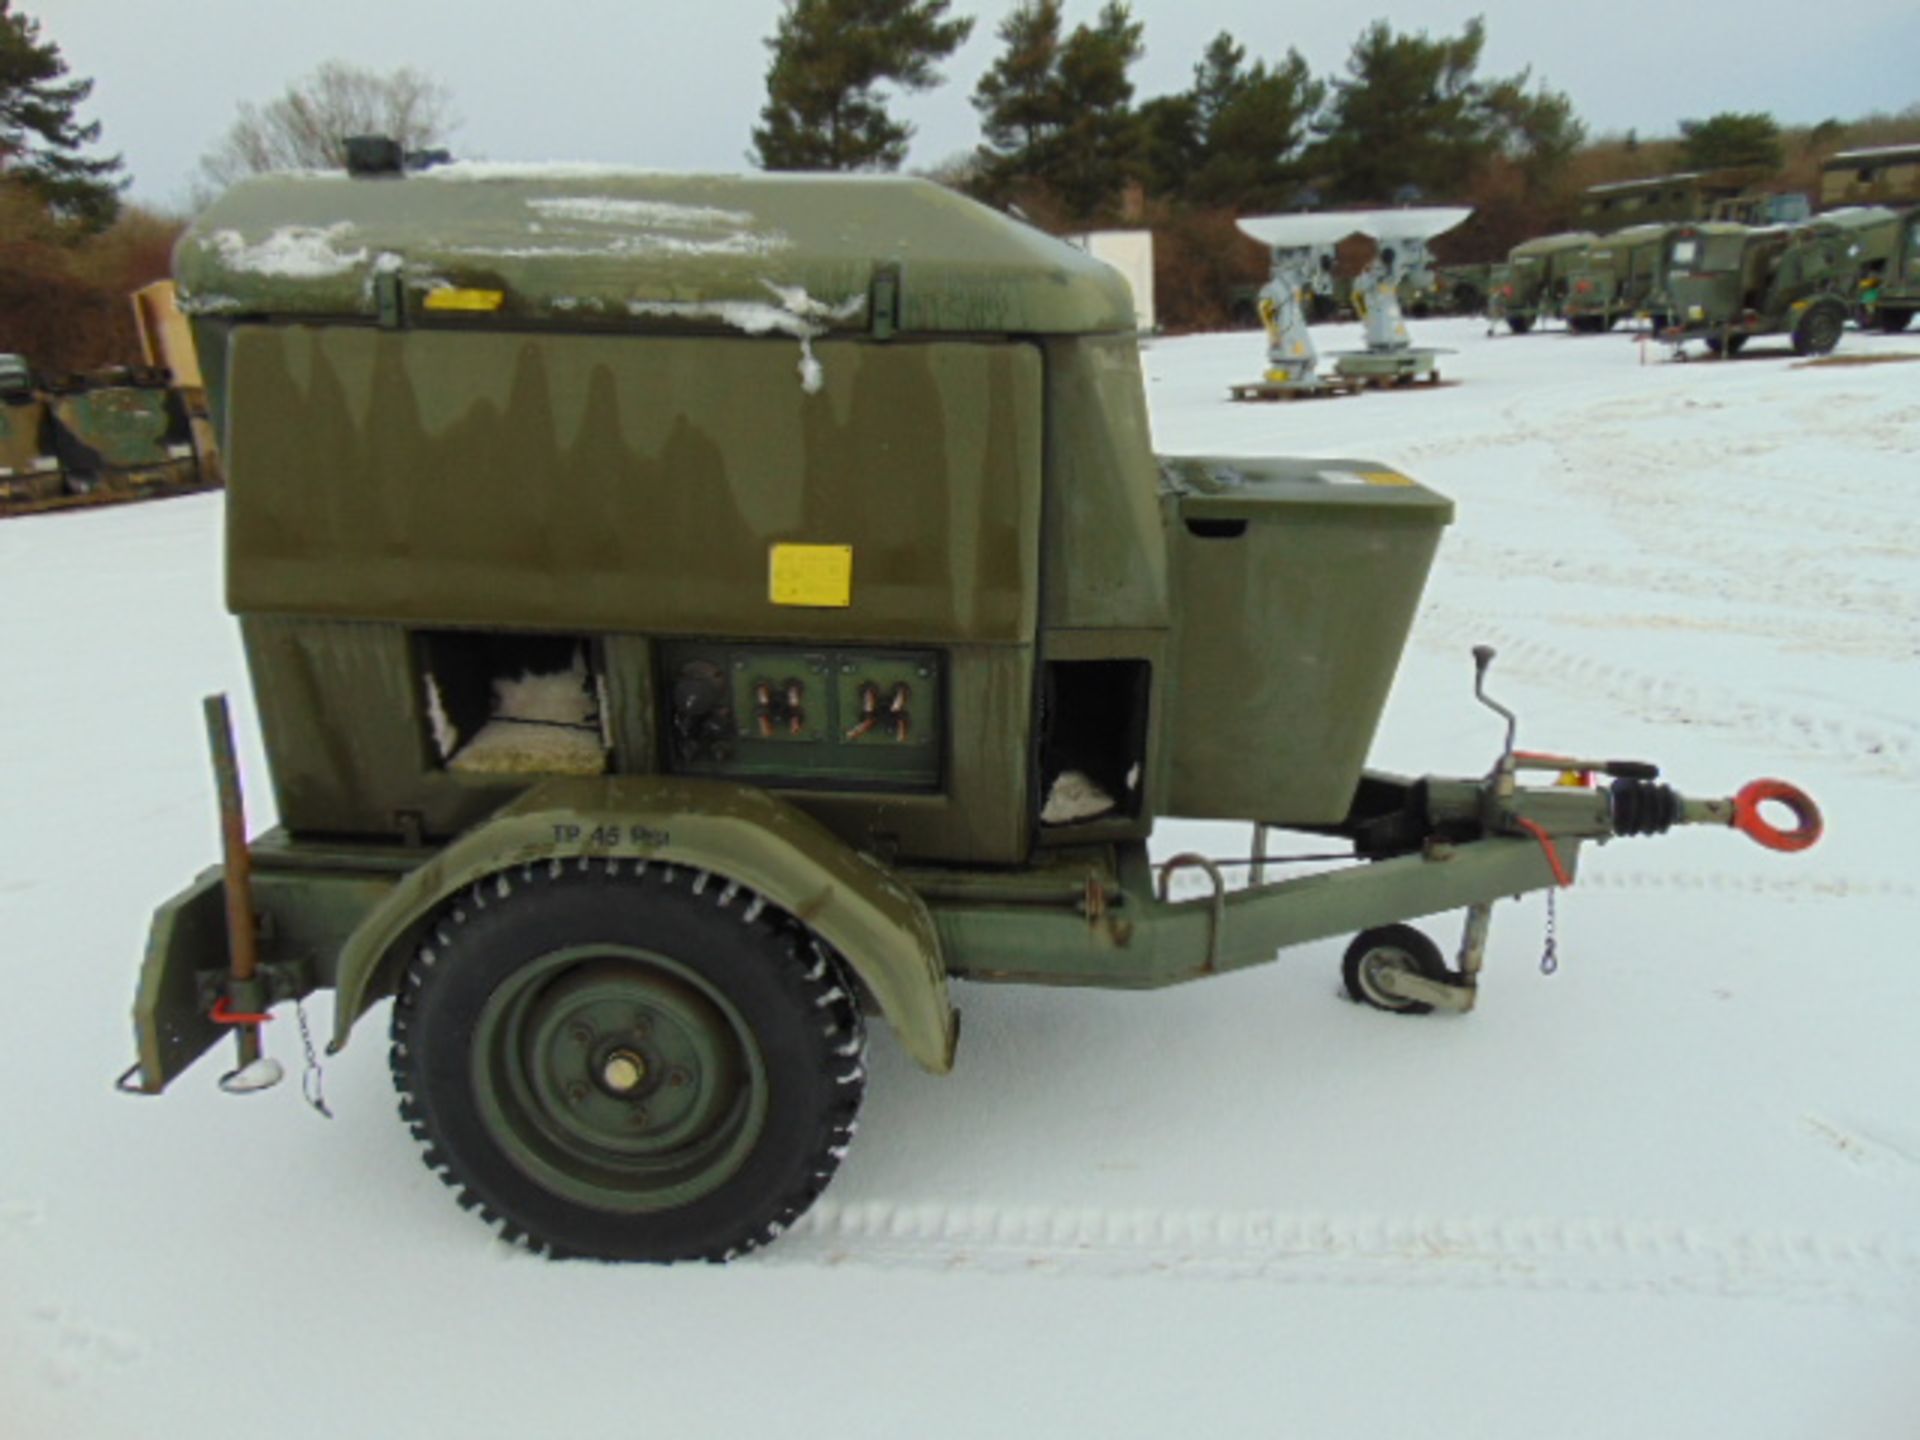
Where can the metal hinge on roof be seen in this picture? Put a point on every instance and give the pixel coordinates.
(883, 300)
(389, 300)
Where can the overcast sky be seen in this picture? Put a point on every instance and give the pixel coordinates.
(677, 84)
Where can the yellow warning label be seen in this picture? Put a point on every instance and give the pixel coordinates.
(810, 575)
(1383, 477)
(454, 299)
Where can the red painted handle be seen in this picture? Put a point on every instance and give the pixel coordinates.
(1749, 822)
(223, 1014)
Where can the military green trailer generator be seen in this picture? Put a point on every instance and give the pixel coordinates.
(1535, 285)
(691, 617)
(1620, 276)
(29, 470)
(1728, 283)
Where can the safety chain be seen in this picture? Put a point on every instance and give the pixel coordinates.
(1550, 956)
(310, 1077)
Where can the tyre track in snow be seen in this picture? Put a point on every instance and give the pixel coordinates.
(1606, 876)
(1859, 614)
(1600, 1256)
(1879, 746)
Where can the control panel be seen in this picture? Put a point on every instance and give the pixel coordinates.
(787, 715)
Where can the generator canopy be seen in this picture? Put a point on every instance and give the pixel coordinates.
(592, 245)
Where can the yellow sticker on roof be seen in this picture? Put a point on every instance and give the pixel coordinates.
(818, 575)
(450, 298)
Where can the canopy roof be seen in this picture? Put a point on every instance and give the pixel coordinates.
(1553, 244)
(793, 253)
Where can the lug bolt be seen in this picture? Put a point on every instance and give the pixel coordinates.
(576, 1093)
(678, 1078)
(580, 1034)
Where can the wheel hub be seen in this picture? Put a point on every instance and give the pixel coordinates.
(620, 1076)
(623, 1071)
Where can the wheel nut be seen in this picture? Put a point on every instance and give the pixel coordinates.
(580, 1035)
(576, 1093)
(678, 1078)
(622, 1071)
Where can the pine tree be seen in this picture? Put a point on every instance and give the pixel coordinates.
(40, 138)
(1100, 150)
(824, 110)
(1022, 110)
(1407, 116)
(1254, 123)
(1732, 140)
(1535, 129)
(1060, 112)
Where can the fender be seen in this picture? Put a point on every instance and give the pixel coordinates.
(880, 926)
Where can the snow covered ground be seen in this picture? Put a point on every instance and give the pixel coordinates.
(1671, 1191)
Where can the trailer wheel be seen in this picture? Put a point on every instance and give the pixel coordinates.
(631, 1065)
(1519, 324)
(1390, 947)
(1818, 329)
(1892, 322)
(1727, 345)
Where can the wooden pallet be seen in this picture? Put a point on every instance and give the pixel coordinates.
(1268, 390)
(1429, 381)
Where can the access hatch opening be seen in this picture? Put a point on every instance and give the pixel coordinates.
(510, 704)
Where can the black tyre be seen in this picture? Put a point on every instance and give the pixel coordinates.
(1390, 946)
(1519, 324)
(1893, 322)
(1818, 329)
(627, 1061)
(1728, 345)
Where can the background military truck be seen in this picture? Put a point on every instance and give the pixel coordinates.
(1897, 295)
(122, 433)
(29, 471)
(1729, 283)
(1619, 275)
(1462, 289)
(1880, 175)
(1536, 280)
(690, 615)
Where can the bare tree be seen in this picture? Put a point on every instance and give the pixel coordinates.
(307, 127)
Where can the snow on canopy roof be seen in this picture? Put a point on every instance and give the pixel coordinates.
(1647, 180)
(1876, 152)
(1637, 234)
(1856, 217)
(1548, 244)
(602, 243)
(1285, 232)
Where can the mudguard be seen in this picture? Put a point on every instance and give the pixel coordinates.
(877, 924)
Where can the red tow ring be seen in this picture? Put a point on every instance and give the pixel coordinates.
(1748, 820)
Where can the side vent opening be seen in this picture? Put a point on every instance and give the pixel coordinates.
(1093, 740)
(508, 704)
